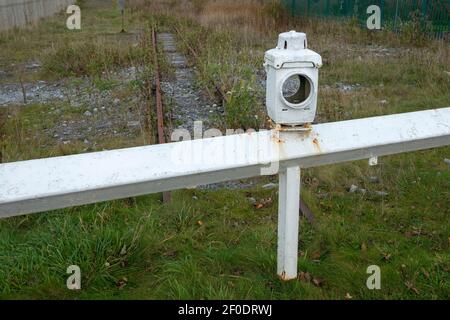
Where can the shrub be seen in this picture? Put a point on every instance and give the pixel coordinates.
(88, 59)
(242, 109)
(415, 30)
(275, 10)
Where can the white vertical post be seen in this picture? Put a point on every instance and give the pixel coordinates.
(288, 222)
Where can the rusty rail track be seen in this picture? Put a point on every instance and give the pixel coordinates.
(167, 196)
(194, 54)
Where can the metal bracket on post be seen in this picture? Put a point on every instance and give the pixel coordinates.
(288, 222)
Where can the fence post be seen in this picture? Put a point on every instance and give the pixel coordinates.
(423, 17)
(396, 16)
(424, 8)
(288, 222)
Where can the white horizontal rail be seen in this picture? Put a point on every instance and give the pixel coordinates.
(47, 184)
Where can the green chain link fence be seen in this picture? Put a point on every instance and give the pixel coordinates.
(430, 16)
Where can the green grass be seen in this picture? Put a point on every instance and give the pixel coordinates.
(220, 246)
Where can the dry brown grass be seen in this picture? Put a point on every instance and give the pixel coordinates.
(231, 12)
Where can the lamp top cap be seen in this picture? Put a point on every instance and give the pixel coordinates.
(292, 40)
(291, 49)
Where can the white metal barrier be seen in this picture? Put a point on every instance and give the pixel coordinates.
(47, 184)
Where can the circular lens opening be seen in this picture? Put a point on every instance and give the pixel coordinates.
(296, 89)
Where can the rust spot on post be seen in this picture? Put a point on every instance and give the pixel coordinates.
(277, 139)
(284, 277)
(316, 144)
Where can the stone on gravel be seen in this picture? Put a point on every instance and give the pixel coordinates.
(133, 124)
(33, 66)
(4, 74)
(270, 186)
(347, 87)
(374, 179)
(354, 189)
(88, 113)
